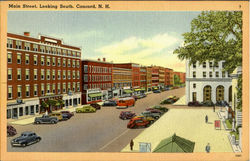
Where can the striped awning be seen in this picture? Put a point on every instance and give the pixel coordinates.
(95, 94)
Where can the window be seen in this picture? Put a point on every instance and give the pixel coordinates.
(54, 61)
(27, 59)
(69, 86)
(78, 54)
(217, 74)
(48, 49)
(35, 59)
(42, 60)
(73, 63)
(194, 74)
(78, 74)
(204, 64)
(42, 49)
(27, 90)
(74, 87)
(64, 74)
(26, 46)
(216, 64)
(53, 50)
(42, 89)
(74, 74)
(74, 53)
(58, 88)
(9, 57)
(85, 86)
(19, 91)
(27, 74)
(18, 44)
(53, 74)
(85, 78)
(19, 74)
(48, 88)
(35, 47)
(64, 87)
(64, 62)
(48, 61)
(69, 53)
(210, 74)
(64, 52)
(35, 74)
(59, 74)
(48, 74)
(69, 77)
(19, 58)
(204, 74)
(9, 74)
(59, 62)
(223, 74)
(42, 74)
(77, 63)
(9, 43)
(9, 92)
(194, 65)
(35, 89)
(69, 62)
(85, 68)
(59, 51)
(54, 88)
(78, 86)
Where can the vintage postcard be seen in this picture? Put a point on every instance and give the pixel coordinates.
(124, 80)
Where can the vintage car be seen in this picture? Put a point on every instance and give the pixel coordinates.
(96, 106)
(154, 111)
(151, 114)
(163, 109)
(194, 103)
(125, 102)
(126, 115)
(138, 122)
(170, 100)
(26, 138)
(46, 119)
(150, 119)
(156, 91)
(222, 103)
(109, 103)
(59, 115)
(11, 131)
(207, 103)
(69, 114)
(85, 109)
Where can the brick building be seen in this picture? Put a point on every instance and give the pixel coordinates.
(155, 77)
(97, 80)
(181, 75)
(149, 78)
(161, 77)
(40, 69)
(168, 77)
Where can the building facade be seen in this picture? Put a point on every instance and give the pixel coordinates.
(97, 80)
(40, 69)
(149, 79)
(182, 76)
(155, 77)
(207, 82)
(161, 77)
(168, 77)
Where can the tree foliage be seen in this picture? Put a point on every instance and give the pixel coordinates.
(214, 36)
(239, 92)
(176, 80)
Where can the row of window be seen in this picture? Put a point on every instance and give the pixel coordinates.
(122, 85)
(50, 88)
(223, 74)
(75, 63)
(41, 48)
(97, 78)
(75, 74)
(96, 69)
(211, 64)
(97, 85)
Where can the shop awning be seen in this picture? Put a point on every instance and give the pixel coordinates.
(155, 88)
(143, 89)
(128, 91)
(138, 89)
(95, 94)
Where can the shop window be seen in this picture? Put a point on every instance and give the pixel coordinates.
(21, 111)
(37, 108)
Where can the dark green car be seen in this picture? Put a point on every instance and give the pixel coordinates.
(163, 109)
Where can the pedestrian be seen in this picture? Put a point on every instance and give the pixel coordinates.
(206, 118)
(208, 148)
(214, 107)
(131, 144)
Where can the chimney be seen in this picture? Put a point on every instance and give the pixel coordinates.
(99, 59)
(104, 59)
(26, 33)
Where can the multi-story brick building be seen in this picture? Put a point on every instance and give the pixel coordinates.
(40, 69)
(168, 77)
(155, 77)
(149, 78)
(161, 77)
(97, 80)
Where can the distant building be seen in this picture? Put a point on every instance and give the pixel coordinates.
(155, 77)
(168, 77)
(181, 75)
(161, 77)
(207, 82)
(149, 79)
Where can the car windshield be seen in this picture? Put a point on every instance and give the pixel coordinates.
(24, 135)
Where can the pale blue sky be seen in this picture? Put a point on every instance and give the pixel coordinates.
(141, 37)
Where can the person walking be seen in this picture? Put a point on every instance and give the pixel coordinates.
(207, 148)
(131, 144)
(206, 118)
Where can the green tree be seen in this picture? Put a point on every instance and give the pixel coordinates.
(176, 80)
(51, 103)
(214, 36)
(239, 92)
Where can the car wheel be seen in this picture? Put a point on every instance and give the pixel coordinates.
(24, 144)
(38, 139)
(156, 117)
(53, 122)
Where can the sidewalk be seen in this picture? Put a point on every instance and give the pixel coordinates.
(181, 101)
(189, 124)
(30, 120)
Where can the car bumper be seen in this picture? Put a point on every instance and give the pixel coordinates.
(121, 107)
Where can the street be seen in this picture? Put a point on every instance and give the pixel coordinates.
(102, 131)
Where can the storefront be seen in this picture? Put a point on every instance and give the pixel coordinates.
(72, 99)
(127, 92)
(154, 88)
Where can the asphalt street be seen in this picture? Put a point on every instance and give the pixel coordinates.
(102, 131)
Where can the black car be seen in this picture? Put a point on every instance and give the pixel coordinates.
(156, 91)
(194, 103)
(26, 138)
(207, 103)
(222, 103)
(46, 119)
(96, 106)
(109, 103)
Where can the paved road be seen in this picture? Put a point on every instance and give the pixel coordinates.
(102, 131)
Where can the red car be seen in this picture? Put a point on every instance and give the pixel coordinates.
(96, 106)
(138, 122)
(69, 114)
(127, 115)
(153, 110)
(11, 131)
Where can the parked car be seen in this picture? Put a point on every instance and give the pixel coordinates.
(194, 103)
(175, 87)
(152, 110)
(85, 109)
(26, 138)
(126, 115)
(109, 103)
(222, 103)
(125, 102)
(96, 106)
(59, 115)
(163, 109)
(69, 114)
(11, 131)
(135, 97)
(167, 88)
(149, 118)
(170, 100)
(46, 119)
(142, 95)
(207, 103)
(156, 91)
(151, 114)
(138, 122)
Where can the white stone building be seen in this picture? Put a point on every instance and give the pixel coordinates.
(207, 81)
